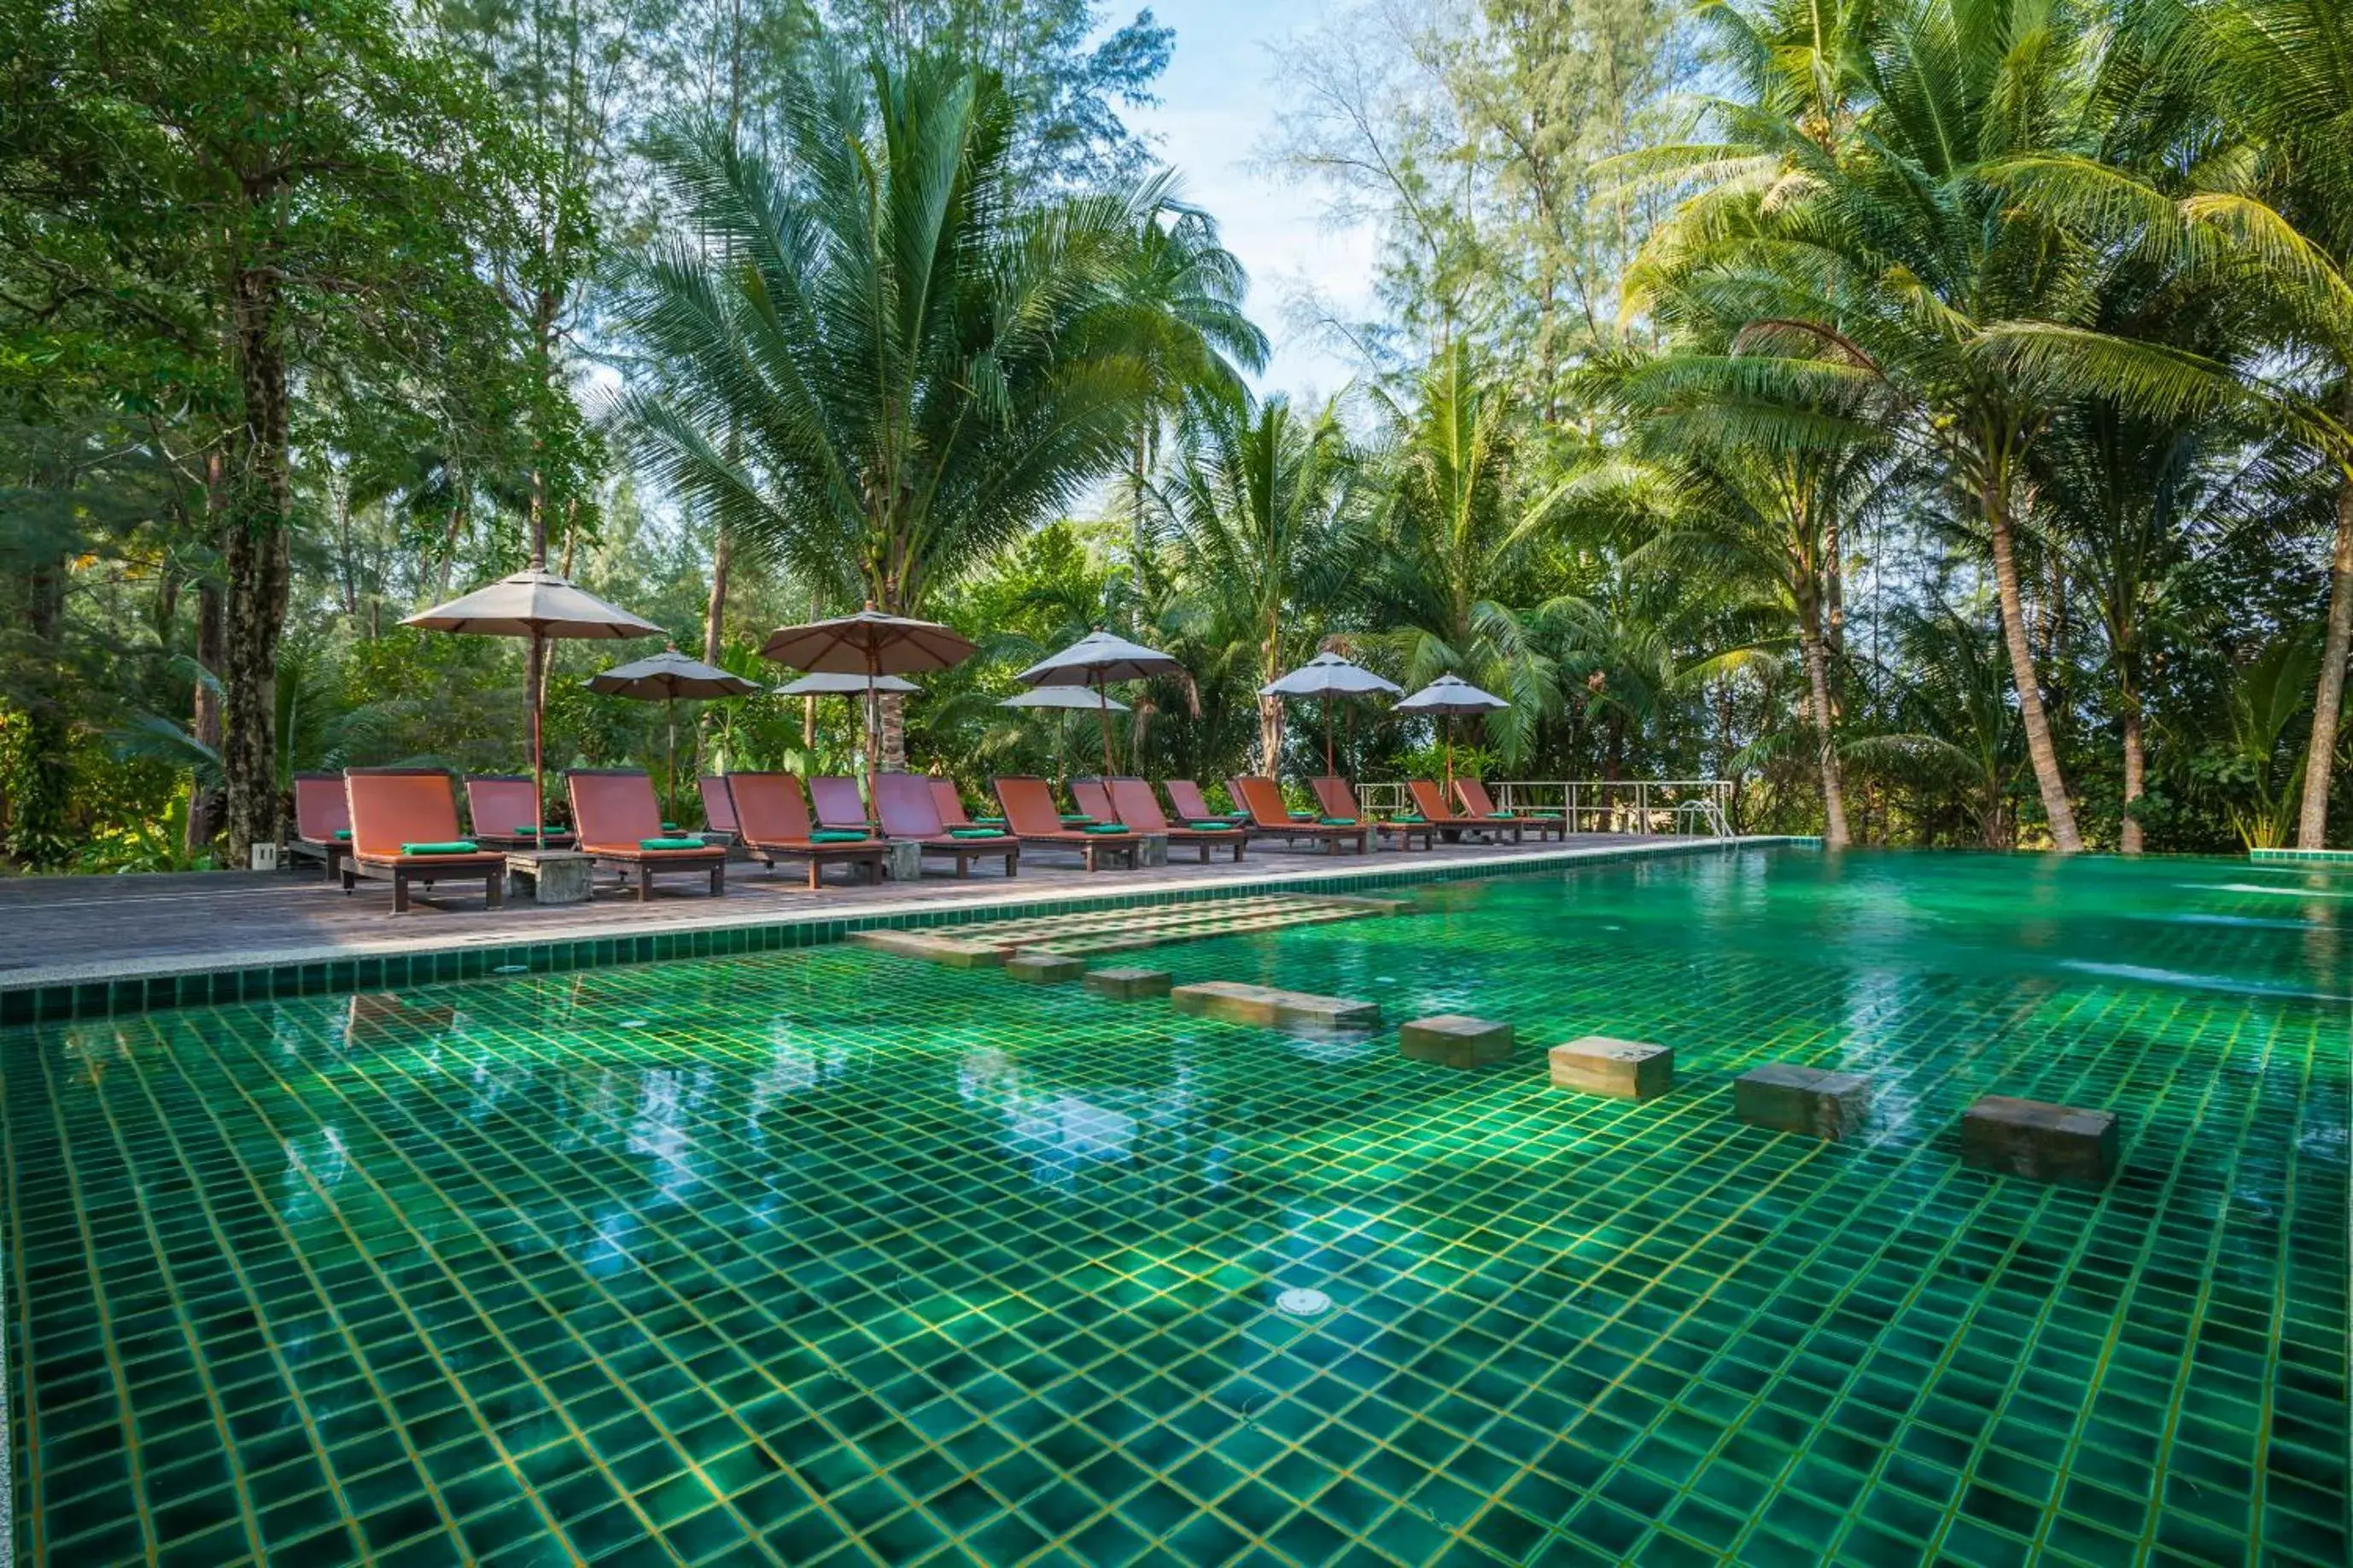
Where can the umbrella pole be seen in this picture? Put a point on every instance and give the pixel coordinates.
(538, 754)
(1449, 722)
(1103, 708)
(1328, 737)
(672, 781)
(873, 725)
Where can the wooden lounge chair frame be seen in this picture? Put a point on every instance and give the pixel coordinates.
(378, 864)
(913, 817)
(1270, 818)
(1137, 807)
(831, 798)
(1177, 789)
(1431, 802)
(628, 858)
(767, 849)
(718, 807)
(1480, 805)
(1337, 796)
(504, 837)
(1036, 808)
(319, 811)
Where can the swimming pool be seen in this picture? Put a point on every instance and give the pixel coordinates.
(833, 1256)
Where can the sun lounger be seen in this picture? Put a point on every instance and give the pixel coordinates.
(904, 803)
(1137, 808)
(1477, 802)
(840, 808)
(620, 826)
(718, 807)
(504, 809)
(1029, 812)
(948, 800)
(1431, 802)
(1337, 796)
(1270, 818)
(1094, 802)
(404, 831)
(1190, 805)
(322, 821)
(773, 820)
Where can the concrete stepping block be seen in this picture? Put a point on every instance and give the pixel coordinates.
(1236, 1002)
(1455, 1040)
(952, 952)
(1788, 1098)
(1037, 968)
(1127, 984)
(1621, 1069)
(2043, 1142)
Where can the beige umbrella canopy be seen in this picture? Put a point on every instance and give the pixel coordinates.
(1447, 696)
(535, 604)
(1096, 660)
(665, 677)
(1066, 699)
(829, 685)
(870, 644)
(1327, 675)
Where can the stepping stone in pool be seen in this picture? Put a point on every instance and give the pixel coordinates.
(1621, 1069)
(950, 951)
(2040, 1140)
(1788, 1098)
(1040, 968)
(1269, 1008)
(1451, 1039)
(1125, 984)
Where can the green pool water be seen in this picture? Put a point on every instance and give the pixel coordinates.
(836, 1256)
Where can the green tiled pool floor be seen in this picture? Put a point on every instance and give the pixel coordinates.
(834, 1257)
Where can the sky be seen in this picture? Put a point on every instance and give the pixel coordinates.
(1219, 103)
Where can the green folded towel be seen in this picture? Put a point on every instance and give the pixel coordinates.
(669, 843)
(1076, 819)
(551, 830)
(1335, 822)
(974, 833)
(343, 833)
(454, 846)
(1414, 821)
(669, 827)
(1211, 826)
(990, 821)
(1502, 815)
(1303, 816)
(1103, 827)
(837, 835)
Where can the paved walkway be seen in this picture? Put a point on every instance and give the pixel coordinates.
(62, 929)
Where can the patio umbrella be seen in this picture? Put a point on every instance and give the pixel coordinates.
(1097, 660)
(536, 605)
(1446, 696)
(1327, 675)
(1066, 698)
(827, 685)
(870, 644)
(665, 677)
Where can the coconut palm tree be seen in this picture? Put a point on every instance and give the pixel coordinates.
(1450, 581)
(1904, 237)
(1263, 505)
(881, 359)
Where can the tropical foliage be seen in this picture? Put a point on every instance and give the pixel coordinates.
(1935, 416)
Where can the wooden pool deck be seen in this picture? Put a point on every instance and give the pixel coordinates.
(78, 930)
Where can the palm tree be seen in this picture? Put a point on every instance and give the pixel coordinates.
(1958, 733)
(2277, 75)
(1879, 243)
(1456, 548)
(880, 360)
(1263, 506)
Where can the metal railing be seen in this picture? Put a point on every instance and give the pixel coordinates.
(1601, 805)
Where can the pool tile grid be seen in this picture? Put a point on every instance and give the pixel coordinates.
(1392, 1416)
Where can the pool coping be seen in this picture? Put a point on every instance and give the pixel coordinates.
(68, 992)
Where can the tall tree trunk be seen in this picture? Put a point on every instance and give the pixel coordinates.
(2036, 723)
(714, 614)
(894, 731)
(2128, 837)
(1270, 708)
(253, 570)
(2327, 702)
(1817, 676)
